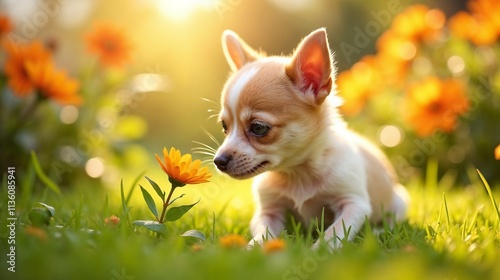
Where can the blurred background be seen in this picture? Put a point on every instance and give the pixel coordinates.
(168, 86)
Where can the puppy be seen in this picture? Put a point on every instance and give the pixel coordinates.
(282, 126)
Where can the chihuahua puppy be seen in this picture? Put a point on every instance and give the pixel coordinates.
(282, 126)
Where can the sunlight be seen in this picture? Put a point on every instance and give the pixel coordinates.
(181, 9)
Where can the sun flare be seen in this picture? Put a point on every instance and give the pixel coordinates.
(179, 10)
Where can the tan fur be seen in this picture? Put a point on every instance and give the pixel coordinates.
(307, 161)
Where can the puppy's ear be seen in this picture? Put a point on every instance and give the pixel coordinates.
(311, 66)
(236, 51)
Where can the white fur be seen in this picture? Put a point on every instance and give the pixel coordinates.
(239, 85)
(311, 164)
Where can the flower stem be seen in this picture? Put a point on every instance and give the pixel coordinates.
(165, 205)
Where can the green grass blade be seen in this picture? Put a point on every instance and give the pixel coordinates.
(446, 210)
(27, 185)
(490, 194)
(124, 202)
(125, 208)
(212, 238)
(42, 176)
(133, 186)
(473, 222)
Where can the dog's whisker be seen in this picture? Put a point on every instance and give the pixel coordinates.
(202, 151)
(214, 112)
(217, 104)
(206, 149)
(213, 116)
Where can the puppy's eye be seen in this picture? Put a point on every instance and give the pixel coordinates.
(259, 129)
(224, 126)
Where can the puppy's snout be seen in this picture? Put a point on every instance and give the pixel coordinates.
(222, 161)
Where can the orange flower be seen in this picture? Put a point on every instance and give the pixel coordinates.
(36, 232)
(399, 45)
(110, 43)
(395, 47)
(196, 247)
(488, 10)
(52, 83)
(112, 220)
(274, 245)
(19, 55)
(181, 170)
(419, 23)
(435, 104)
(233, 241)
(358, 84)
(5, 25)
(481, 26)
(497, 152)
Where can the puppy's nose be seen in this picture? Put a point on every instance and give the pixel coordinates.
(221, 161)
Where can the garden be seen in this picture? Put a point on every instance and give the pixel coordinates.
(108, 130)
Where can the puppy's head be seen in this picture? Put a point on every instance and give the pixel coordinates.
(272, 107)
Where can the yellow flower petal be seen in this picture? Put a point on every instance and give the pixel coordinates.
(182, 168)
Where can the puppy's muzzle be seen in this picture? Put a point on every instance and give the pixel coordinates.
(222, 161)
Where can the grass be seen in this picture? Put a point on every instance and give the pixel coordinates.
(452, 233)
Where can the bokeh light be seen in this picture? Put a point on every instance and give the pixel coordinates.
(69, 114)
(95, 167)
(390, 135)
(456, 64)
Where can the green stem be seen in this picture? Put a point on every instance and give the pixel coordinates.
(165, 205)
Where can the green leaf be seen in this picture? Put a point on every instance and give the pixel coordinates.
(42, 176)
(40, 216)
(149, 201)
(157, 188)
(152, 226)
(173, 200)
(194, 233)
(175, 213)
(48, 207)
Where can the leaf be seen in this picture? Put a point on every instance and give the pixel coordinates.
(174, 213)
(39, 216)
(157, 188)
(149, 201)
(48, 207)
(173, 200)
(194, 233)
(152, 226)
(42, 176)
